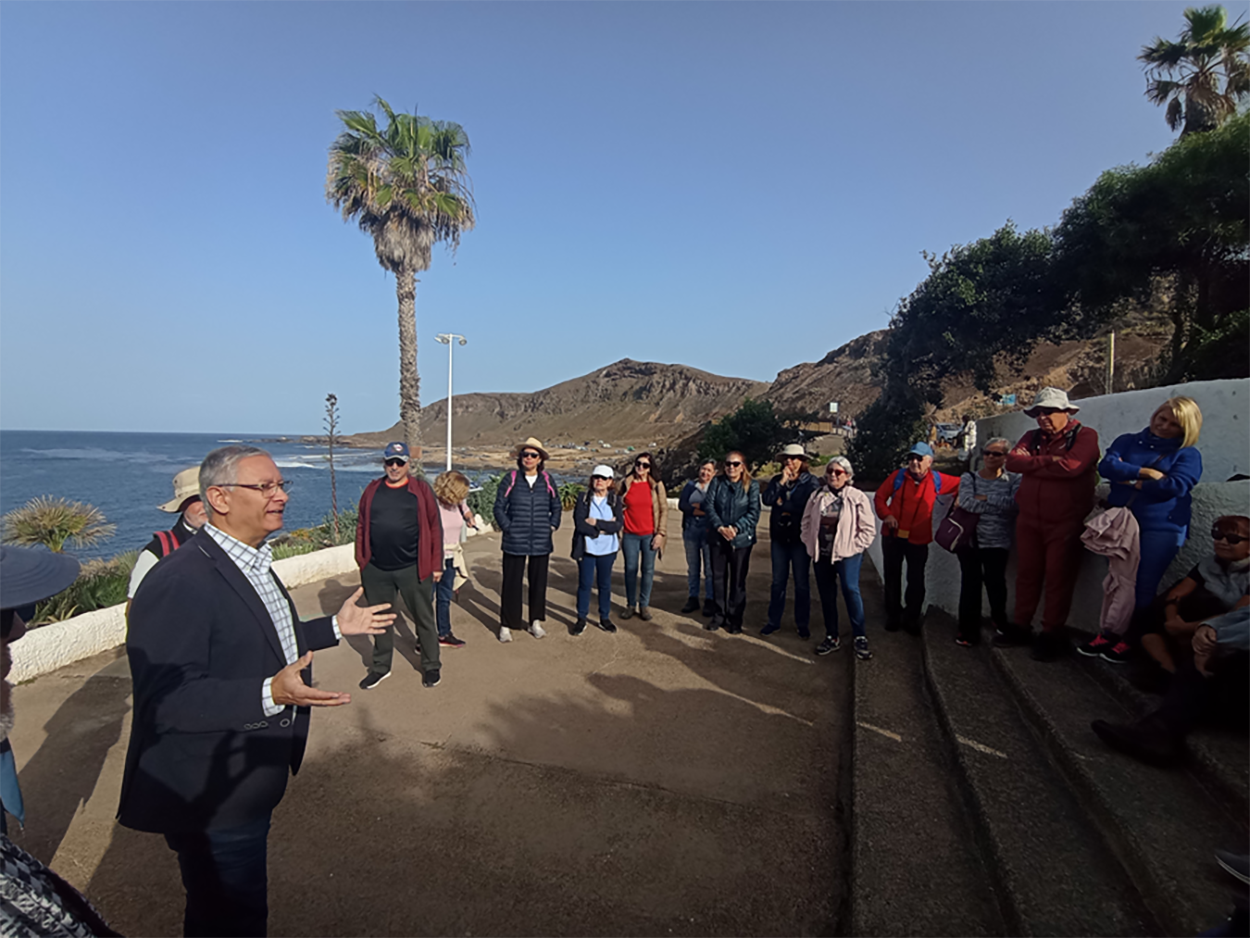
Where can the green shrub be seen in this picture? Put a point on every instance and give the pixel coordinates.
(482, 502)
(53, 521)
(568, 493)
(102, 583)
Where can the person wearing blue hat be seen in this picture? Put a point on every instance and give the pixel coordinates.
(904, 503)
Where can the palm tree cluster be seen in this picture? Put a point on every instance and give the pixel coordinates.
(1203, 75)
(405, 185)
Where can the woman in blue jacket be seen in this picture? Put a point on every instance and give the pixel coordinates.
(1152, 473)
(733, 510)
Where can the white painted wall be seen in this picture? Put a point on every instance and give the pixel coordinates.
(1225, 448)
(53, 646)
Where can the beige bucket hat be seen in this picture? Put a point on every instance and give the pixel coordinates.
(1050, 397)
(531, 443)
(186, 485)
(792, 449)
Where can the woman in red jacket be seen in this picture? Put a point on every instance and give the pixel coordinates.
(1058, 467)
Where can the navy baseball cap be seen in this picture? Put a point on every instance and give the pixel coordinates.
(921, 449)
(396, 451)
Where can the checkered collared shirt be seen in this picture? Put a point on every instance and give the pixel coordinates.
(254, 563)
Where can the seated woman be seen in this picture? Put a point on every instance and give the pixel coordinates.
(1219, 584)
(1152, 473)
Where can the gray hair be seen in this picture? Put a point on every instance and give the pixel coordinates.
(219, 468)
(997, 439)
(844, 463)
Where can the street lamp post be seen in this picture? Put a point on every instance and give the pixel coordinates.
(445, 338)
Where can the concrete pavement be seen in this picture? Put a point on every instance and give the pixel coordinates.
(663, 780)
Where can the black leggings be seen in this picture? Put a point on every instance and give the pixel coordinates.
(982, 566)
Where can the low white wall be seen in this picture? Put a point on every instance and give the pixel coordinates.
(53, 646)
(1225, 448)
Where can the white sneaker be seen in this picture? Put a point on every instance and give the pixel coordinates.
(537, 630)
(505, 634)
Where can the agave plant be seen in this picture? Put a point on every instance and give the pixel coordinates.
(53, 521)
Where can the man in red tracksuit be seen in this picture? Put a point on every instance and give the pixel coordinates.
(1058, 465)
(904, 503)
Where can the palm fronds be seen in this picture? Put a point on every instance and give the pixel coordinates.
(53, 521)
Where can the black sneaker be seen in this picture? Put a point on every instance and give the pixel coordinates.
(769, 629)
(734, 629)
(861, 648)
(607, 625)
(711, 627)
(1009, 636)
(450, 641)
(831, 644)
(709, 608)
(431, 678)
(373, 679)
(692, 604)
(805, 634)
(578, 627)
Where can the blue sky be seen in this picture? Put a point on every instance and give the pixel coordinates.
(734, 186)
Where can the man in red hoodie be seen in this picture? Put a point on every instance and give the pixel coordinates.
(1058, 466)
(904, 504)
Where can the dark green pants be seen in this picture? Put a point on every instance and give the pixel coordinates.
(418, 595)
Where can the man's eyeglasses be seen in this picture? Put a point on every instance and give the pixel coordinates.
(268, 489)
(530, 454)
(733, 462)
(395, 462)
(1234, 539)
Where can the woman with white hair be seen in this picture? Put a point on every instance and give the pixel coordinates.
(989, 493)
(837, 527)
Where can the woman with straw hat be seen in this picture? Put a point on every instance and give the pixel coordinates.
(527, 511)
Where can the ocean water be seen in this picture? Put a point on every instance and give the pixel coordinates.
(126, 475)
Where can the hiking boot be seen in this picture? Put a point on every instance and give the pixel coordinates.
(709, 608)
(769, 629)
(627, 613)
(1147, 740)
(734, 629)
(692, 604)
(450, 641)
(831, 644)
(1096, 646)
(861, 648)
(1009, 636)
(1051, 646)
(537, 630)
(431, 678)
(805, 633)
(711, 627)
(578, 627)
(607, 625)
(644, 613)
(505, 634)
(373, 679)
(1117, 653)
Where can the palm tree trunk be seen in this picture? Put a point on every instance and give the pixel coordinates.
(409, 380)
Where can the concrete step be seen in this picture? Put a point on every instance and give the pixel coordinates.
(916, 868)
(1218, 756)
(1055, 873)
(1162, 825)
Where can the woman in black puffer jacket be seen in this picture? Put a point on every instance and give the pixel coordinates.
(732, 504)
(527, 511)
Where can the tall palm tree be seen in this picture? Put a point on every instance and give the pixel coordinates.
(406, 185)
(1204, 74)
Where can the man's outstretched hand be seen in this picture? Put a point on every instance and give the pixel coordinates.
(288, 688)
(363, 620)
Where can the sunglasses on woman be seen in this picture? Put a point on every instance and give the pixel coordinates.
(642, 465)
(530, 454)
(836, 472)
(1229, 536)
(733, 462)
(992, 452)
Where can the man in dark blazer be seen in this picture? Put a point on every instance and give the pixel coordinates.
(222, 671)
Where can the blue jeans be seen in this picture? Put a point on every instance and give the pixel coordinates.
(592, 569)
(633, 545)
(1158, 550)
(786, 556)
(698, 550)
(444, 593)
(827, 575)
(226, 878)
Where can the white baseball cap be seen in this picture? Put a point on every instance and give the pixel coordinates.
(603, 471)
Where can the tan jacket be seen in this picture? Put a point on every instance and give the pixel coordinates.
(659, 503)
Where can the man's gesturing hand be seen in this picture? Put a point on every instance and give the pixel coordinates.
(363, 620)
(288, 688)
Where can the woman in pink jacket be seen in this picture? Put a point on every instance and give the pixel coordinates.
(838, 526)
